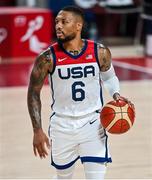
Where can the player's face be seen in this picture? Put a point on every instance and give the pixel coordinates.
(66, 26)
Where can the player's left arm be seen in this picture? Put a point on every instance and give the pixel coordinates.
(107, 72)
(108, 75)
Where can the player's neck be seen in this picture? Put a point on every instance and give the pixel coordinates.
(74, 45)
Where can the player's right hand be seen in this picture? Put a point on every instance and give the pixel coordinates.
(40, 142)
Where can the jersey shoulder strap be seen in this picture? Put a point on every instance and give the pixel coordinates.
(53, 48)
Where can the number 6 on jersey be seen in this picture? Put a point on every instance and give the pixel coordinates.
(78, 94)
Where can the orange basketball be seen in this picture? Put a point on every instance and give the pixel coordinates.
(117, 117)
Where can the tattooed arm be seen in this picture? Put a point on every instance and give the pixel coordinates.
(104, 56)
(107, 71)
(42, 66)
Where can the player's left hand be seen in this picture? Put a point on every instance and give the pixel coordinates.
(117, 97)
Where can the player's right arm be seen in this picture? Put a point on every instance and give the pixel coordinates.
(42, 66)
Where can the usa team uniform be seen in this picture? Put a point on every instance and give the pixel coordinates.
(75, 128)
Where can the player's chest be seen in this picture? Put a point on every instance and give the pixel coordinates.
(77, 71)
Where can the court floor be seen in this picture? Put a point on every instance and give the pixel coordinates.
(131, 152)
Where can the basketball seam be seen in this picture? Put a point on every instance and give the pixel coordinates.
(113, 113)
(111, 124)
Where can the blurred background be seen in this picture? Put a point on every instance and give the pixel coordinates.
(26, 29)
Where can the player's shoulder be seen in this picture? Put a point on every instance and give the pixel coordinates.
(102, 48)
(45, 54)
(45, 60)
(101, 45)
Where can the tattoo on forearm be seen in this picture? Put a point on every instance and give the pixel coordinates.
(39, 72)
(34, 107)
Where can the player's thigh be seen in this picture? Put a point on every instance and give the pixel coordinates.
(64, 149)
(95, 144)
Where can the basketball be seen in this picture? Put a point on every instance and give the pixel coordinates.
(117, 117)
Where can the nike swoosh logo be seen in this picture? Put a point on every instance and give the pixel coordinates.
(91, 122)
(60, 60)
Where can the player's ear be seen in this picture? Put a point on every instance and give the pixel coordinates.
(79, 26)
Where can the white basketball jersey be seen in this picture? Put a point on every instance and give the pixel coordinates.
(75, 81)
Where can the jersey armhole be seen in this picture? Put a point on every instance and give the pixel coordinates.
(54, 59)
(96, 54)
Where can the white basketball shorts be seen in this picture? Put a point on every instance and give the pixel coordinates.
(77, 137)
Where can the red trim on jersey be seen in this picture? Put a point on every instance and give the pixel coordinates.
(63, 58)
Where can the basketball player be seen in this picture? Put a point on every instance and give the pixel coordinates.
(75, 68)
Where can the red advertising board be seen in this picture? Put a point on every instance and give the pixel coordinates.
(24, 31)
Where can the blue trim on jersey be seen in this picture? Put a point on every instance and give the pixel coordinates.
(96, 54)
(54, 66)
(75, 56)
(95, 159)
(97, 59)
(50, 124)
(101, 97)
(54, 59)
(52, 115)
(51, 84)
(64, 166)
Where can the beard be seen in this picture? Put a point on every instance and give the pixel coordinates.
(67, 38)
